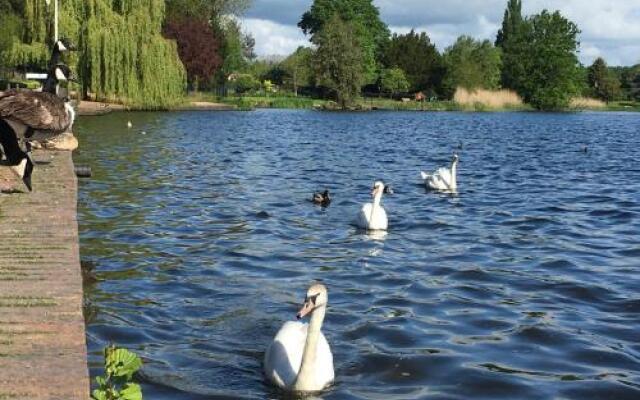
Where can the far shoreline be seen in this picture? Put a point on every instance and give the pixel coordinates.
(205, 102)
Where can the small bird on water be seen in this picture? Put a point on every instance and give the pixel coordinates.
(129, 124)
(321, 198)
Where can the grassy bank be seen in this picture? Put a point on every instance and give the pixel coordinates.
(368, 103)
(482, 101)
(589, 104)
(388, 104)
(623, 106)
(251, 102)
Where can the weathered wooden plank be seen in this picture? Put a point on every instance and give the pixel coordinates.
(43, 352)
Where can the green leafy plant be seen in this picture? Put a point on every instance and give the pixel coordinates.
(393, 81)
(117, 381)
(246, 83)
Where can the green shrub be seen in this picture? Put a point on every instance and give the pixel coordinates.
(117, 381)
(246, 83)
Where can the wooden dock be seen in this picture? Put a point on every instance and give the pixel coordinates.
(43, 353)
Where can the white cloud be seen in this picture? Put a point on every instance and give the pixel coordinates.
(273, 38)
(610, 28)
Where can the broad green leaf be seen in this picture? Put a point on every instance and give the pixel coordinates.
(99, 395)
(132, 391)
(100, 380)
(122, 363)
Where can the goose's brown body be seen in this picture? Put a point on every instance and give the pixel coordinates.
(39, 111)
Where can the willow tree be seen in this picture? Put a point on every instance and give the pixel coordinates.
(28, 47)
(122, 55)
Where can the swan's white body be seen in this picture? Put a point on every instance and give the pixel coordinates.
(372, 216)
(283, 358)
(443, 178)
(299, 357)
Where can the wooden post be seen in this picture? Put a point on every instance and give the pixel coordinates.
(55, 21)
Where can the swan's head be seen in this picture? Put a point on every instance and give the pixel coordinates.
(378, 187)
(316, 297)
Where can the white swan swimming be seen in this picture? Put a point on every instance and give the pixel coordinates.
(444, 178)
(299, 358)
(372, 216)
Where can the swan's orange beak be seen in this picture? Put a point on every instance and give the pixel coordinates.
(307, 307)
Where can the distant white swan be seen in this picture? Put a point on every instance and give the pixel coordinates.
(444, 178)
(299, 358)
(372, 216)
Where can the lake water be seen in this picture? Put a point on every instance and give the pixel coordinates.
(524, 285)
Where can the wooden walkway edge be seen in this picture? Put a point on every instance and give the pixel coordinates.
(43, 353)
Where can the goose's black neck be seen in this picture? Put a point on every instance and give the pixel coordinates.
(51, 83)
(55, 56)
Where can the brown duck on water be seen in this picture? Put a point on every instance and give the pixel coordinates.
(27, 115)
(321, 198)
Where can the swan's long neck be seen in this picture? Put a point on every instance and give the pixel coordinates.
(454, 174)
(306, 376)
(377, 198)
(376, 203)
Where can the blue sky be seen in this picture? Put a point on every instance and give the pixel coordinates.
(610, 28)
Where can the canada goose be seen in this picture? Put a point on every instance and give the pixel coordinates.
(62, 45)
(443, 178)
(321, 198)
(299, 357)
(25, 114)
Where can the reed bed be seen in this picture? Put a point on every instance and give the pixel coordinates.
(587, 102)
(480, 99)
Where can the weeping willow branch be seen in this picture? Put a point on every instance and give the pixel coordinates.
(122, 56)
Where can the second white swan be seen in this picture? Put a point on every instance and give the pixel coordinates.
(443, 178)
(299, 359)
(372, 216)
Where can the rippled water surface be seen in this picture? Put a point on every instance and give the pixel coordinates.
(525, 285)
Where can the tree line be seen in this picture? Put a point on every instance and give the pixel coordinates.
(148, 52)
(354, 53)
(144, 53)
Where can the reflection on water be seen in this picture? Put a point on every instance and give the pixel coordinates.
(376, 235)
(524, 285)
